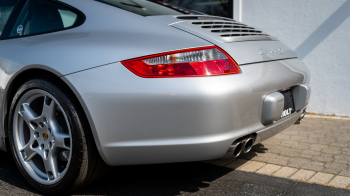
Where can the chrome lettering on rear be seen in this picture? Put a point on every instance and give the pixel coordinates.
(267, 51)
(286, 112)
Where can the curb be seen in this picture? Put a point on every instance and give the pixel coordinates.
(295, 174)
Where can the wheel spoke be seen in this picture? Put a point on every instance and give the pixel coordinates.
(28, 114)
(49, 108)
(59, 140)
(28, 152)
(51, 166)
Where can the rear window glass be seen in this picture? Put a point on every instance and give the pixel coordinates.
(6, 8)
(149, 7)
(42, 16)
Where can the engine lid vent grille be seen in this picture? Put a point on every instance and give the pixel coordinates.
(219, 28)
(229, 29)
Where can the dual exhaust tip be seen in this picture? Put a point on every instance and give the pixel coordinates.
(300, 119)
(242, 146)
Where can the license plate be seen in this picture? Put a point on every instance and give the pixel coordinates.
(288, 103)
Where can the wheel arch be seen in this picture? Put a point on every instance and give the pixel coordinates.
(34, 71)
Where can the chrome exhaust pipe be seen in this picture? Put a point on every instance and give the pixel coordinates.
(247, 145)
(301, 118)
(236, 148)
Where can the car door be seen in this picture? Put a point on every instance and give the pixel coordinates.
(22, 27)
(7, 7)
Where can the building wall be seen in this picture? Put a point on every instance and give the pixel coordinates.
(319, 32)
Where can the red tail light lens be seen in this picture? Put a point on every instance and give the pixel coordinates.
(205, 61)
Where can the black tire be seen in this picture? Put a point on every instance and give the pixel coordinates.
(86, 164)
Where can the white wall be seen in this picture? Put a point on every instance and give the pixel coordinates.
(319, 32)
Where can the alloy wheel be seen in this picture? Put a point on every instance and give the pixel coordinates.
(42, 136)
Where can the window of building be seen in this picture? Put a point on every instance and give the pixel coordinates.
(222, 8)
(148, 7)
(174, 7)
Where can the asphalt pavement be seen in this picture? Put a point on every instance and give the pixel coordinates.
(196, 178)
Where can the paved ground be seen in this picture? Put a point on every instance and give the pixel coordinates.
(316, 149)
(317, 144)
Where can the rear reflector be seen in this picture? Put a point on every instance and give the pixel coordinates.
(205, 61)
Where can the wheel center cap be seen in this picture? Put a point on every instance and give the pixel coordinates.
(45, 136)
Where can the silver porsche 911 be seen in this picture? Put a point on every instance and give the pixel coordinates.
(89, 84)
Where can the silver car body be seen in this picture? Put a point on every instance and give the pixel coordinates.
(138, 120)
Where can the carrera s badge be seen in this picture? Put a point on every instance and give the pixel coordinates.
(267, 51)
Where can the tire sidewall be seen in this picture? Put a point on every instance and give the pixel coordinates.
(76, 129)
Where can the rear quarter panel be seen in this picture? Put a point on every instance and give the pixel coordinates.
(108, 35)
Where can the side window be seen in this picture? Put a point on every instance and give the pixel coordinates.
(6, 8)
(43, 16)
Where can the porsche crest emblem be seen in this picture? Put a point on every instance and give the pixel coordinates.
(45, 136)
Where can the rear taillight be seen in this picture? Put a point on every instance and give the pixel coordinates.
(205, 61)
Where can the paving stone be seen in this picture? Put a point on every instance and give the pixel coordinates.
(323, 158)
(289, 143)
(303, 175)
(306, 156)
(280, 160)
(285, 149)
(290, 153)
(314, 166)
(343, 138)
(344, 127)
(345, 173)
(269, 169)
(343, 161)
(326, 140)
(282, 137)
(345, 149)
(297, 138)
(334, 171)
(298, 162)
(321, 178)
(285, 172)
(302, 146)
(311, 152)
(268, 155)
(292, 132)
(272, 142)
(336, 166)
(318, 147)
(260, 159)
(340, 181)
(323, 142)
(344, 157)
(332, 150)
(308, 141)
(336, 135)
(252, 166)
(342, 145)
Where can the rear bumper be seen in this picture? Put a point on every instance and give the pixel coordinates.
(149, 120)
(189, 149)
(277, 127)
